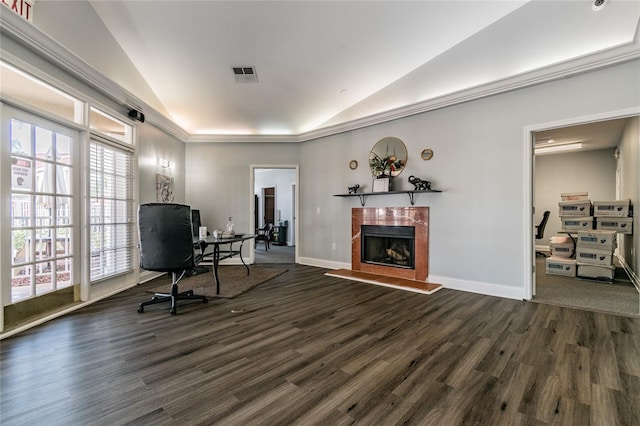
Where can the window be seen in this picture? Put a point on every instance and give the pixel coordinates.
(111, 207)
(42, 206)
(39, 95)
(109, 126)
(68, 171)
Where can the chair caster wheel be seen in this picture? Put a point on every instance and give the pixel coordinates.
(173, 311)
(140, 309)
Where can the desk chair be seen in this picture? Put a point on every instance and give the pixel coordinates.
(197, 223)
(540, 230)
(166, 245)
(265, 235)
(200, 247)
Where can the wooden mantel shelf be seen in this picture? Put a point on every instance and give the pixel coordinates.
(363, 195)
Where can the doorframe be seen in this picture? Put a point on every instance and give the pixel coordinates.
(294, 204)
(252, 204)
(529, 178)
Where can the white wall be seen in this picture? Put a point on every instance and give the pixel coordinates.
(589, 171)
(218, 178)
(154, 144)
(478, 229)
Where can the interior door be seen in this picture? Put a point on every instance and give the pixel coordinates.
(269, 200)
(256, 216)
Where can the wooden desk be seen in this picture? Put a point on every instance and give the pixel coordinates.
(219, 254)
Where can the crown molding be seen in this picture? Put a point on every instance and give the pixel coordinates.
(163, 123)
(243, 138)
(35, 40)
(567, 69)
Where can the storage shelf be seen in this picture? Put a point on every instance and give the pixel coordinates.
(363, 195)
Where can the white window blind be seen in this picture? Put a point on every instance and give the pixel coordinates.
(111, 210)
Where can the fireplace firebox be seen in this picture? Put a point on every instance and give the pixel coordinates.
(388, 245)
(414, 266)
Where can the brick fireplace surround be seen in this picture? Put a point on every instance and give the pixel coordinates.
(418, 217)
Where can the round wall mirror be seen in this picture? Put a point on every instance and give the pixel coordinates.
(388, 157)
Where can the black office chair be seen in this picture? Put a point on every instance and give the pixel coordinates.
(540, 230)
(166, 245)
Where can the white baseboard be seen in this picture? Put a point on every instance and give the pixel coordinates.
(478, 287)
(488, 289)
(322, 263)
(146, 276)
(630, 273)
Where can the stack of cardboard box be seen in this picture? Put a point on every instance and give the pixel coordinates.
(595, 249)
(561, 246)
(594, 254)
(614, 216)
(596, 225)
(575, 215)
(562, 261)
(575, 212)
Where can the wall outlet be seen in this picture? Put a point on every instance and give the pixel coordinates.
(333, 246)
(317, 210)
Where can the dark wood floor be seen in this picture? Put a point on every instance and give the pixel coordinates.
(308, 349)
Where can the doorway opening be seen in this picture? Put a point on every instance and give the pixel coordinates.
(274, 212)
(585, 158)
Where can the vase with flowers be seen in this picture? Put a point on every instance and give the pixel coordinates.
(386, 167)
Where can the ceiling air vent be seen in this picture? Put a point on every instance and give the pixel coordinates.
(245, 74)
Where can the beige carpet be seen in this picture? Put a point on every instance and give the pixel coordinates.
(618, 298)
(233, 281)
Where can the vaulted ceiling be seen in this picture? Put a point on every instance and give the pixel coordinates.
(325, 63)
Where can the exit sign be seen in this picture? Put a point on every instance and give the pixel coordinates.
(24, 8)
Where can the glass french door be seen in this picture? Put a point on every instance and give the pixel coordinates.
(41, 180)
